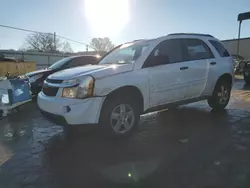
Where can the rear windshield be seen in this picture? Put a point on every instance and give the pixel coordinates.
(220, 48)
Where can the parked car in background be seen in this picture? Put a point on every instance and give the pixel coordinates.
(246, 72)
(238, 63)
(37, 78)
(140, 77)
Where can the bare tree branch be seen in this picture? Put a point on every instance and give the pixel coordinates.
(101, 44)
(45, 43)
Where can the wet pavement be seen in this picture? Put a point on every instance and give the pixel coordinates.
(189, 147)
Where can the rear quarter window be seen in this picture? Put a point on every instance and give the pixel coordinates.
(220, 48)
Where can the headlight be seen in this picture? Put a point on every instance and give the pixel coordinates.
(69, 92)
(83, 90)
(34, 78)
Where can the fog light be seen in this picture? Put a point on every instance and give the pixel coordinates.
(66, 109)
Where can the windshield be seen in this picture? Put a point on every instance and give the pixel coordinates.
(60, 63)
(127, 53)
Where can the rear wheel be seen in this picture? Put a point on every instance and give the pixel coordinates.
(120, 116)
(221, 95)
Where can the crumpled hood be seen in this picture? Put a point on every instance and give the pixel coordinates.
(37, 72)
(97, 71)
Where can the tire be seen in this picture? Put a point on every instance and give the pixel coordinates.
(221, 95)
(120, 116)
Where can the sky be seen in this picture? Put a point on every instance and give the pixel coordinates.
(120, 20)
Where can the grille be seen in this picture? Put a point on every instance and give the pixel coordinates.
(50, 91)
(54, 81)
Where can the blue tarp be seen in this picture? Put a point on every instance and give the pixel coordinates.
(20, 91)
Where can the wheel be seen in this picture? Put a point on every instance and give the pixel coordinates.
(120, 116)
(221, 95)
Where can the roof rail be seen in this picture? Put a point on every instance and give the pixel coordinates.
(196, 34)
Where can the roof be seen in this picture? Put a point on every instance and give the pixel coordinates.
(192, 34)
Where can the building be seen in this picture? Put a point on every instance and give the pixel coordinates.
(43, 59)
(244, 49)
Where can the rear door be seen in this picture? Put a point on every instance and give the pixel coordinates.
(222, 64)
(198, 57)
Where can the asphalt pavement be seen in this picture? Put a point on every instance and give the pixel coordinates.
(191, 146)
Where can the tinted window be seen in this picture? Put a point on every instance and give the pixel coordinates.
(169, 51)
(88, 60)
(196, 49)
(220, 48)
(81, 61)
(60, 63)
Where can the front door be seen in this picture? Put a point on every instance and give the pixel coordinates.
(165, 66)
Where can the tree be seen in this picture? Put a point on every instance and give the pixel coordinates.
(46, 43)
(66, 48)
(101, 44)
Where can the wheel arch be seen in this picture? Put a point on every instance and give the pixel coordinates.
(225, 76)
(128, 91)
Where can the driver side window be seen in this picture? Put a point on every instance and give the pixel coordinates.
(167, 52)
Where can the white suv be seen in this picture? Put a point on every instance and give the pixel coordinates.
(139, 77)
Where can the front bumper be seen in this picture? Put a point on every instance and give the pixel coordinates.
(60, 120)
(71, 111)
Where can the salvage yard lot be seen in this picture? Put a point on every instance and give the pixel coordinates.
(190, 146)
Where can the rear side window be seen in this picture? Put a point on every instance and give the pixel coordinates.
(196, 49)
(220, 48)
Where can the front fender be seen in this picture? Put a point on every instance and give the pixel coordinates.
(138, 79)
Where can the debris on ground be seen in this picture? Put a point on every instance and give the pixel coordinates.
(184, 140)
(217, 163)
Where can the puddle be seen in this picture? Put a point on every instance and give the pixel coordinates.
(12, 131)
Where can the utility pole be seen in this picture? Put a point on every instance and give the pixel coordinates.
(238, 41)
(54, 41)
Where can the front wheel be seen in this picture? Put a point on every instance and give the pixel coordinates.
(120, 117)
(221, 95)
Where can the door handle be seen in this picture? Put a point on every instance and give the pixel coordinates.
(212, 63)
(183, 68)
